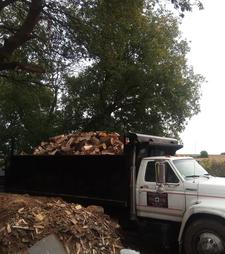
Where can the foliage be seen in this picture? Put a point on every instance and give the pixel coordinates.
(33, 73)
(49, 40)
(186, 5)
(139, 79)
(25, 115)
(204, 154)
(21, 22)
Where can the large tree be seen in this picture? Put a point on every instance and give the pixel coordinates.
(139, 78)
(20, 20)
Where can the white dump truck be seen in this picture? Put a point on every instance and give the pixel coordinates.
(147, 185)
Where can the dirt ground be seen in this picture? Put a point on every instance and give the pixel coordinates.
(147, 244)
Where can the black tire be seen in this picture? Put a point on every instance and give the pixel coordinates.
(201, 231)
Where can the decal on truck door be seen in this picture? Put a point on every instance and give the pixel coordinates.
(157, 199)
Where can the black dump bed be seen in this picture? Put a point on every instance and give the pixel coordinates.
(102, 180)
(89, 179)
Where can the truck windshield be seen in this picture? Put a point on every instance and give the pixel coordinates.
(190, 168)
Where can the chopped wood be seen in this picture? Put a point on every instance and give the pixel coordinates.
(79, 229)
(20, 227)
(8, 229)
(83, 143)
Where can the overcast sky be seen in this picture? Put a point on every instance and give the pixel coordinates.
(206, 32)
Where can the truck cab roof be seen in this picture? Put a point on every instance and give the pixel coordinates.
(150, 139)
(148, 145)
(167, 157)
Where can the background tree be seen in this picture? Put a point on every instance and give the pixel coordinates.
(204, 154)
(139, 79)
(25, 117)
(33, 13)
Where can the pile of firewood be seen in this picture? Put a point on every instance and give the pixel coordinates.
(84, 143)
(25, 220)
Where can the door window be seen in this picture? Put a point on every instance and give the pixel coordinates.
(170, 175)
(150, 173)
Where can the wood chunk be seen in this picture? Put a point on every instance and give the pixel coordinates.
(53, 152)
(83, 143)
(88, 147)
(8, 228)
(96, 209)
(94, 141)
(54, 139)
(71, 140)
(106, 152)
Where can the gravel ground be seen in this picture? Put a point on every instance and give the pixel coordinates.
(148, 244)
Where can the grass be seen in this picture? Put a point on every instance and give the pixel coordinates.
(214, 164)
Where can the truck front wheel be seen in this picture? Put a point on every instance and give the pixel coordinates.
(205, 236)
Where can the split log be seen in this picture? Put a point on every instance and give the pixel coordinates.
(83, 143)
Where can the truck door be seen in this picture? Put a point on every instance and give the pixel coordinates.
(166, 203)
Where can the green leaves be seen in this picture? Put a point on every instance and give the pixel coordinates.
(24, 115)
(130, 64)
(139, 79)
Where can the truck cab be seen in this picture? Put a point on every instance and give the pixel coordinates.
(179, 189)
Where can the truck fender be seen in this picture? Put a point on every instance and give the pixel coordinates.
(201, 207)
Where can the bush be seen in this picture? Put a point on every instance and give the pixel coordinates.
(204, 154)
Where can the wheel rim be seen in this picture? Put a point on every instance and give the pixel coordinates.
(210, 243)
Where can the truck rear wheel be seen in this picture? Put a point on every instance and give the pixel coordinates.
(205, 237)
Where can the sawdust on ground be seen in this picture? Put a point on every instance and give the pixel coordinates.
(24, 220)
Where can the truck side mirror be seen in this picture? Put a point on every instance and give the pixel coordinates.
(160, 172)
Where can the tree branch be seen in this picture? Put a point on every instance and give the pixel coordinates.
(8, 28)
(19, 66)
(32, 82)
(24, 33)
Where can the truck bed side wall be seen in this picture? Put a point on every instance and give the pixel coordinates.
(101, 180)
